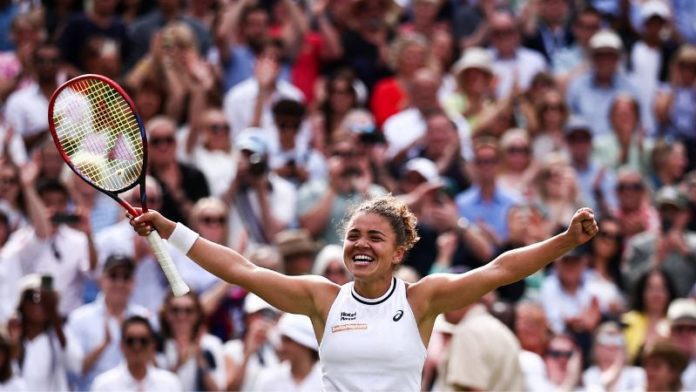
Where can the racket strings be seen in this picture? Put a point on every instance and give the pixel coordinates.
(99, 132)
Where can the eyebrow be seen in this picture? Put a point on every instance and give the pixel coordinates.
(369, 232)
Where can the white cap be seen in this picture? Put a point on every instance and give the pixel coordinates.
(253, 303)
(425, 167)
(654, 8)
(250, 139)
(606, 39)
(298, 328)
(682, 311)
(475, 57)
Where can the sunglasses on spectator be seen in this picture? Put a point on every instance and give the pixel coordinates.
(212, 220)
(137, 341)
(219, 128)
(162, 141)
(47, 60)
(345, 154)
(9, 180)
(288, 125)
(518, 150)
(486, 161)
(182, 310)
(632, 186)
(608, 235)
(683, 328)
(32, 296)
(564, 354)
(552, 106)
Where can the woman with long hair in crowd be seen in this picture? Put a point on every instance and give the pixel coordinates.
(551, 117)
(518, 164)
(341, 97)
(606, 252)
(187, 349)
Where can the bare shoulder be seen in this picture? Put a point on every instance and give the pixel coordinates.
(421, 293)
(324, 293)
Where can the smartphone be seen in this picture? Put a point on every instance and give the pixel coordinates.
(60, 217)
(46, 282)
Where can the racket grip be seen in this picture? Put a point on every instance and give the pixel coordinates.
(179, 287)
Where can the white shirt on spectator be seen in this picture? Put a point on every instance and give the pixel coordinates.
(239, 108)
(559, 304)
(279, 378)
(23, 109)
(632, 378)
(264, 358)
(87, 325)
(404, 128)
(187, 372)
(14, 384)
(524, 66)
(64, 255)
(218, 167)
(150, 285)
(46, 364)
(14, 145)
(646, 62)
(534, 369)
(10, 274)
(119, 379)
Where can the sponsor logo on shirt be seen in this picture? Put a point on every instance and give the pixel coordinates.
(345, 316)
(348, 327)
(398, 315)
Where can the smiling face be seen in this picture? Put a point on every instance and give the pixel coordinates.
(370, 250)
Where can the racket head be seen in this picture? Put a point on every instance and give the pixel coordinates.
(99, 134)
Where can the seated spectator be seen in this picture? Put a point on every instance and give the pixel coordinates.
(551, 117)
(573, 59)
(608, 370)
(668, 248)
(247, 356)
(664, 364)
(96, 326)
(531, 327)
(329, 264)
(45, 351)
(12, 187)
(517, 166)
(555, 186)
(606, 255)
(646, 320)
(136, 372)
(634, 212)
(668, 163)
(563, 360)
(187, 349)
(297, 248)
(682, 333)
(300, 369)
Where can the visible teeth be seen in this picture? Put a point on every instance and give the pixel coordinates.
(362, 258)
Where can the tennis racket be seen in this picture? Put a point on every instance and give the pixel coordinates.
(99, 134)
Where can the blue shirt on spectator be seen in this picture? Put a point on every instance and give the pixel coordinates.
(494, 212)
(592, 102)
(240, 67)
(6, 16)
(684, 14)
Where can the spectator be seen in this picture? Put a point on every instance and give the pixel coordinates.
(22, 105)
(596, 183)
(563, 360)
(295, 161)
(682, 318)
(321, 204)
(143, 29)
(635, 211)
(518, 167)
(646, 321)
(249, 103)
(669, 247)
(556, 187)
(606, 255)
(262, 203)
(626, 144)
(209, 147)
(675, 104)
(329, 264)
(668, 163)
(531, 327)
(297, 249)
(590, 94)
(246, 358)
(9, 379)
(8, 10)
(571, 60)
(477, 336)
(17, 65)
(513, 65)
(12, 194)
(609, 371)
(188, 350)
(552, 32)
(96, 325)
(341, 97)
(485, 202)
(136, 371)
(45, 351)
(471, 23)
(551, 117)
(300, 370)
(408, 54)
(98, 23)
(182, 185)
(664, 364)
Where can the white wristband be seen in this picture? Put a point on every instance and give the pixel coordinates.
(182, 238)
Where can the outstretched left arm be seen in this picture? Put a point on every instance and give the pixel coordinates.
(439, 293)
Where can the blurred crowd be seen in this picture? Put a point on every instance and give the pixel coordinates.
(268, 119)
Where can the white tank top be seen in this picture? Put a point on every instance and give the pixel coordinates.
(372, 344)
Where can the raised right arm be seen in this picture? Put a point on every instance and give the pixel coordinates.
(309, 295)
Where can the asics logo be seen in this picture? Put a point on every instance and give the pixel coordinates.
(398, 315)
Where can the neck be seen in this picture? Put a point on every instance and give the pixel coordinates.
(32, 330)
(487, 190)
(47, 86)
(114, 308)
(603, 81)
(373, 289)
(138, 371)
(158, 166)
(582, 163)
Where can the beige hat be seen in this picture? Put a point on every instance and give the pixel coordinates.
(475, 57)
(295, 241)
(686, 54)
(606, 39)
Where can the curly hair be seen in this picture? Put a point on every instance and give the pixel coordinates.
(400, 217)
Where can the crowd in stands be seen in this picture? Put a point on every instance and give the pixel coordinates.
(495, 120)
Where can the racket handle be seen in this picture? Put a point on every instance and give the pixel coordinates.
(179, 287)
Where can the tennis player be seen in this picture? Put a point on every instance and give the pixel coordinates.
(372, 332)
